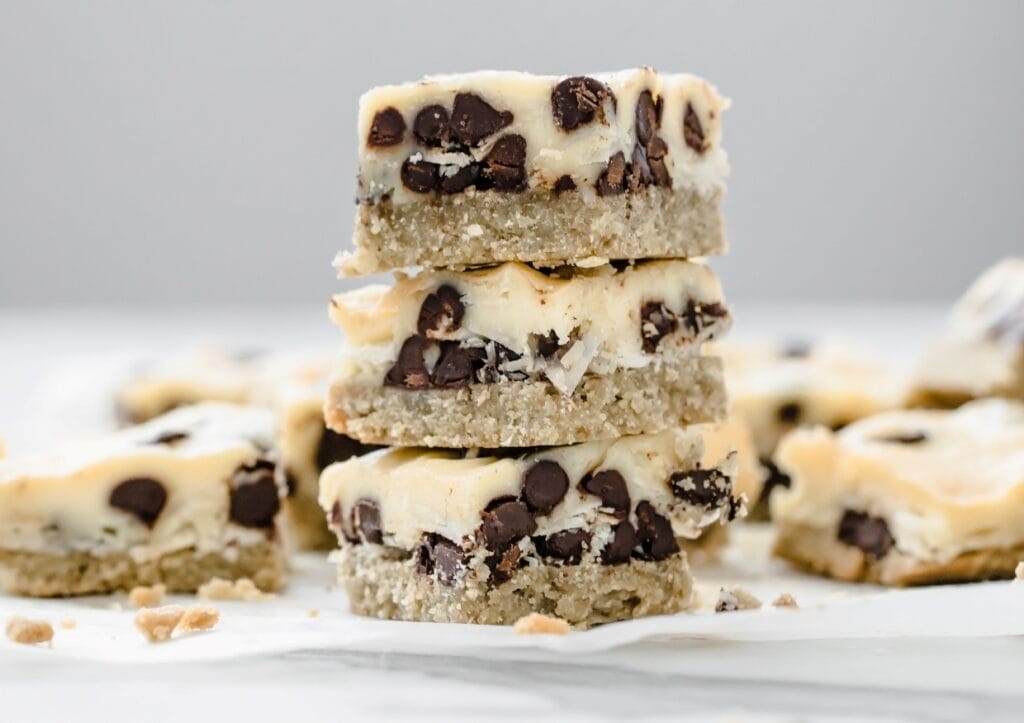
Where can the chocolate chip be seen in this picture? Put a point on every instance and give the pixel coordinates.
(646, 117)
(474, 119)
(544, 486)
(565, 183)
(699, 315)
(656, 151)
(620, 548)
(437, 555)
(789, 413)
(639, 171)
(774, 477)
(420, 176)
(334, 447)
(870, 534)
(656, 322)
(503, 564)
(505, 165)
(657, 539)
(457, 365)
(255, 498)
(547, 344)
(410, 370)
(576, 101)
(567, 545)
(611, 487)
(430, 126)
(612, 180)
(461, 179)
(505, 522)
(915, 437)
(169, 438)
(387, 128)
(701, 487)
(693, 133)
(441, 312)
(365, 522)
(144, 497)
(496, 369)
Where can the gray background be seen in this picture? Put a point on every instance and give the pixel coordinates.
(198, 151)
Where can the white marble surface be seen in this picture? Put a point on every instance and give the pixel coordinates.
(891, 679)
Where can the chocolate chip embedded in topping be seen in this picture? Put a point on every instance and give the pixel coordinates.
(914, 437)
(700, 315)
(410, 370)
(565, 183)
(474, 119)
(870, 534)
(387, 128)
(441, 312)
(657, 539)
(612, 180)
(334, 447)
(420, 176)
(365, 522)
(505, 523)
(702, 487)
(567, 545)
(544, 486)
(505, 165)
(693, 133)
(255, 498)
(789, 413)
(430, 126)
(169, 438)
(647, 114)
(656, 152)
(457, 365)
(656, 322)
(460, 179)
(439, 556)
(620, 548)
(611, 487)
(774, 477)
(576, 101)
(496, 368)
(142, 496)
(503, 564)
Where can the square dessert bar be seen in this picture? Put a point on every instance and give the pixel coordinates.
(982, 351)
(189, 496)
(465, 170)
(590, 533)
(515, 356)
(907, 497)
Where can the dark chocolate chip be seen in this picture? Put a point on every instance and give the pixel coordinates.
(576, 101)
(169, 438)
(565, 183)
(144, 497)
(255, 498)
(656, 152)
(439, 556)
(611, 487)
(701, 487)
(457, 365)
(410, 370)
(870, 534)
(620, 548)
(461, 179)
(505, 166)
(693, 133)
(474, 119)
(646, 117)
(441, 312)
(503, 564)
(430, 126)
(548, 345)
(657, 539)
(505, 523)
(612, 180)
(789, 413)
(544, 486)
(774, 477)
(639, 171)
(700, 315)
(915, 437)
(365, 522)
(420, 176)
(656, 322)
(567, 545)
(387, 128)
(494, 370)
(334, 447)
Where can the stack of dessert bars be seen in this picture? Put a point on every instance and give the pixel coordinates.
(539, 381)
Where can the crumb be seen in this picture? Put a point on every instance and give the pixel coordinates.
(68, 624)
(735, 599)
(785, 600)
(242, 589)
(313, 613)
(537, 624)
(157, 624)
(147, 597)
(198, 617)
(29, 632)
(1019, 572)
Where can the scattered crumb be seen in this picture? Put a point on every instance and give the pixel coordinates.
(157, 624)
(198, 617)
(313, 613)
(68, 624)
(735, 599)
(785, 600)
(29, 632)
(242, 589)
(537, 624)
(147, 597)
(1019, 572)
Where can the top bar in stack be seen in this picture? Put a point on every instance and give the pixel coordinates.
(482, 168)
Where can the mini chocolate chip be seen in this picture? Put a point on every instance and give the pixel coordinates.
(387, 128)
(505, 523)
(699, 315)
(611, 487)
(365, 521)
(430, 126)
(255, 498)
(144, 497)
(441, 312)
(474, 119)
(504, 166)
(462, 179)
(774, 477)
(701, 487)
(547, 344)
(420, 176)
(656, 322)
(639, 171)
(620, 548)
(915, 437)
(565, 183)
(870, 534)
(657, 539)
(503, 564)
(576, 101)
(612, 180)
(693, 133)
(439, 556)
(410, 370)
(567, 545)
(646, 117)
(656, 151)
(789, 413)
(169, 438)
(456, 367)
(334, 447)
(544, 486)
